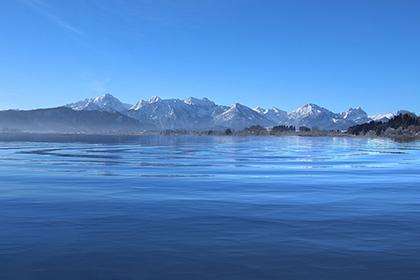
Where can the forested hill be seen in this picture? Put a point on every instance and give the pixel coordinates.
(403, 125)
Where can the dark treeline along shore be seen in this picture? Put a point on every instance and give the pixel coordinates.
(402, 126)
(257, 130)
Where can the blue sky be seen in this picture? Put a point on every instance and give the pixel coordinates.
(334, 53)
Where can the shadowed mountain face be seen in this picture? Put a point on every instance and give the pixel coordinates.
(66, 120)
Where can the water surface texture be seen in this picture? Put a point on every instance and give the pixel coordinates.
(210, 208)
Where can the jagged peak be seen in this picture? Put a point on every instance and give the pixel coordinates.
(106, 96)
(311, 105)
(264, 111)
(154, 99)
(357, 109)
(197, 101)
(238, 105)
(357, 115)
(276, 110)
(139, 104)
(106, 102)
(260, 110)
(238, 108)
(310, 108)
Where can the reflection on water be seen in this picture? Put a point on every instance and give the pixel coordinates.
(210, 208)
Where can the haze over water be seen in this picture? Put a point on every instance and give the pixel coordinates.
(210, 208)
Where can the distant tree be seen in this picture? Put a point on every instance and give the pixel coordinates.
(282, 128)
(228, 131)
(304, 129)
(404, 121)
(255, 130)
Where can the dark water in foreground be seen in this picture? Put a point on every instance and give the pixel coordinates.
(211, 208)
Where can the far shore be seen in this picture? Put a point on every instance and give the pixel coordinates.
(100, 138)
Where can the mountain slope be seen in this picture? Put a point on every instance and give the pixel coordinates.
(314, 116)
(239, 116)
(66, 120)
(356, 115)
(274, 114)
(191, 113)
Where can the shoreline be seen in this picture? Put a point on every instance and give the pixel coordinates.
(103, 138)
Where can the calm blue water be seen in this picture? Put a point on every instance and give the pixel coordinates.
(211, 208)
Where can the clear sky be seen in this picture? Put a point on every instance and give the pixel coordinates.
(335, 53)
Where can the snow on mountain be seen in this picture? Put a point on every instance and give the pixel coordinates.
(239, 116)
(382, 117)
(387, 116)
(154, 99)
(191, 113)
(274, 114)
(357, 115)
(260, 110)
(314, 116)
(310, 110)
(196, 113)
(205, 107)
(138, 105)
(106, 103)
(169, 113)
(204, 102)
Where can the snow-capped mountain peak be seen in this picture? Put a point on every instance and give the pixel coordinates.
(276, 110)
(274, 114)
(105, 102)
(357, 115)
(260, 110)
(310, 109)
(199, 102)
(382, 117)
(314, 116)
(154, 99)
(239, 108)
(241, 116)
(307, 109)
(354, 111)
(387, 116)
(104, 98)
(141, 103)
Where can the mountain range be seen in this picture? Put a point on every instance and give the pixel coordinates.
(107, 114)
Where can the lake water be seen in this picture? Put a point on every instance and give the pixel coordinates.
(210, 208)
